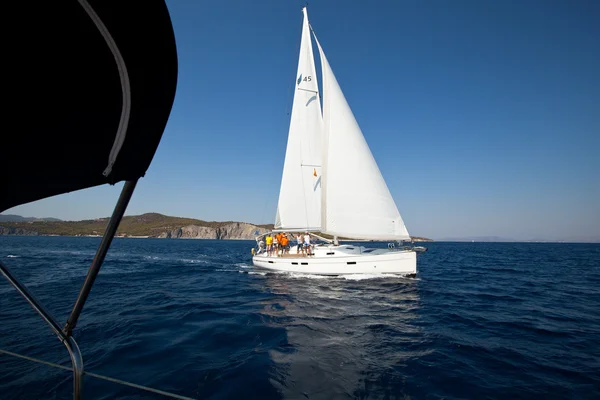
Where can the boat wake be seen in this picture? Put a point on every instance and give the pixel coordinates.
(361, 277)
(192, 261)
(253, 273)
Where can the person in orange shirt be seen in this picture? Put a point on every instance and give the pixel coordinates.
(284, 244)
(279, 238)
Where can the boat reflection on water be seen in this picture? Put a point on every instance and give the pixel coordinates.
(345, 338)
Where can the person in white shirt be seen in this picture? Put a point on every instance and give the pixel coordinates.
(300, 247)
(307, 248)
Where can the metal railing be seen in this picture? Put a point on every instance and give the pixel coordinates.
(65, 335)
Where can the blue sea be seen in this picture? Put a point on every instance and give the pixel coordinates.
(480, 321)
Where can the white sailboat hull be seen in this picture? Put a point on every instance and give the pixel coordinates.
(342, 260)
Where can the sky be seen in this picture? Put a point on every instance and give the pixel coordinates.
(483, 116)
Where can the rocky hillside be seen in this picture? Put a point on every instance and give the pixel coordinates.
(145, 225)
(228, 231)
(421, 239)
(16, 231)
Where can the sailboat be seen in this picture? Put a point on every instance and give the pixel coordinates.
(331, 185)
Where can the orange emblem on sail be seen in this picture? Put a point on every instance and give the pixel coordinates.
(315, 172)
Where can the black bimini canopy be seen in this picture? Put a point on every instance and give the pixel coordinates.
(89, 86)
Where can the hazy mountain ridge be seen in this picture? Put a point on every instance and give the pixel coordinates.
(18, 218)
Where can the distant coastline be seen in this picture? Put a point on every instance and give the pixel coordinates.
(150, 225)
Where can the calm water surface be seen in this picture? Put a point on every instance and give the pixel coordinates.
(481, 321)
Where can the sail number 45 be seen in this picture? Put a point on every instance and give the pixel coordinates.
(307, 79)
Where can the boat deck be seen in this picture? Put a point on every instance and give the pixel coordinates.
(287, 255)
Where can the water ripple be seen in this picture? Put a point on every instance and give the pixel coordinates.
(493, 321)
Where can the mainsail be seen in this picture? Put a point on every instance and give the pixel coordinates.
(299, 206)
